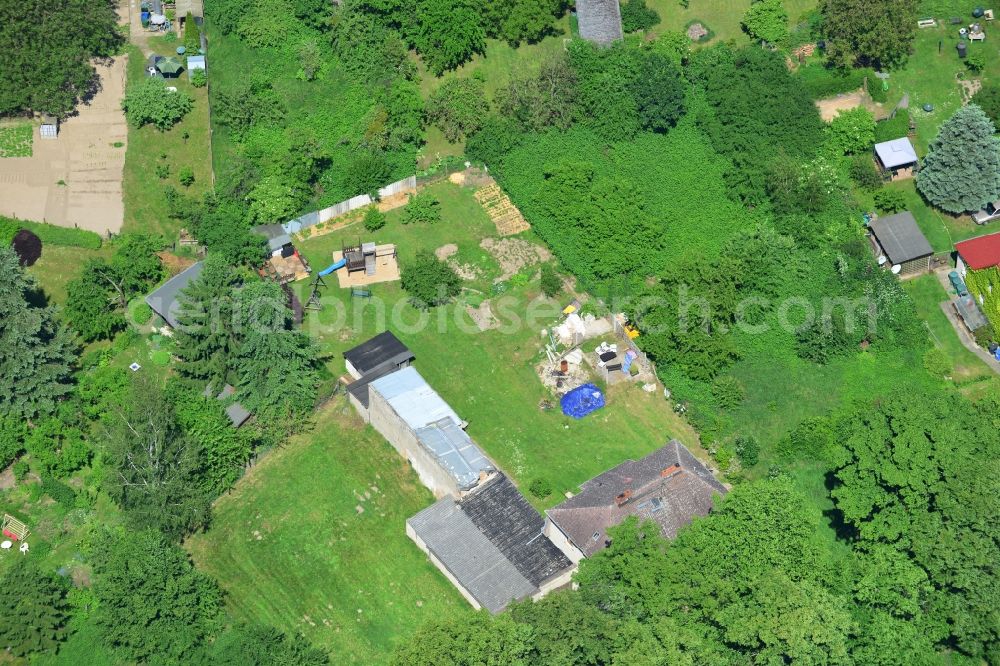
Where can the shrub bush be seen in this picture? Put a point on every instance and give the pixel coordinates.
(893, 128)
(540, 488)
(374, 219)
(429, 281)
(199, 78)
(150, 103)
(936, 363)
(889, 201)
(186, 176)
(864, 173)
(550, 283)
(422, 208)
(141, 313)
(748, 449)
(59, 491)
(637, 16)
(21, 469)
(728, 392)
(192, 34)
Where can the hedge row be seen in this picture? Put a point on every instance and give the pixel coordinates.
(49, 233)
(823, 82)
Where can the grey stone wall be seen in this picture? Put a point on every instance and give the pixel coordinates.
(600, 21)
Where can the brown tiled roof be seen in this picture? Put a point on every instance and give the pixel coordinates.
(669, 486)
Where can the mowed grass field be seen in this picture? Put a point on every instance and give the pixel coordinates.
(723, 17)
(291, 548)
(59, 265)
(186, 144)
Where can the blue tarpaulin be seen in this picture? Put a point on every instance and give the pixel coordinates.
(582, 400)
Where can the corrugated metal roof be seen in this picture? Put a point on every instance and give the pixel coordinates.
(413, 398)
(455, 452)
(474, 561)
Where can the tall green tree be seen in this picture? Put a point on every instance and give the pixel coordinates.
(35, 612)
(276, 366)
(876, 33)
(767, 21)
(458, 108)
(545, 100)
(223, 451)
(206, 340)
(961, 171)
(148, 102)
(154, 606)
(658, 90)
(153, 467)
(429, 281)
(447, 33)
(45, 67)
(36, 350)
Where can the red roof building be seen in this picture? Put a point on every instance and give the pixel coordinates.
(978, 253)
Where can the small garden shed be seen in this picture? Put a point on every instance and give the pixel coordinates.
(899, 239)
(897, 158)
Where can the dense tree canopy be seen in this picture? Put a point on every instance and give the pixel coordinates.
(154, 605)
(877, 33)
(36, 351)
(35, 610)
(962, 169)
(767, 21)
(458, 108)
(45, 65)
(148, 102)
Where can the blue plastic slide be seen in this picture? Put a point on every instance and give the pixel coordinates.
(333, 267)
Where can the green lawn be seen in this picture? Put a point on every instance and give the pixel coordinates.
(489, 377)
(148, 148)
(290, 548)
(927, 293)
(60, 264)
(723, 17)
(15, 140)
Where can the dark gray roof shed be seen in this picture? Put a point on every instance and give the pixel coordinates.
(900, 237)
(384, 350)
(164, 300)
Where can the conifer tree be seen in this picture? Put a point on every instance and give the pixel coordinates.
(36, 350)
(962, 170)
(34, 610)
(205, 339)
(276, 365)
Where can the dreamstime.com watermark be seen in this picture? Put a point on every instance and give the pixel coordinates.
(686, 311)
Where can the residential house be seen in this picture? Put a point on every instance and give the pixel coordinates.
(491, 546)
(669, 486)
(899, 239)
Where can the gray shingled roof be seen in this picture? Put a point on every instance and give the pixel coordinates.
(164, 300)
(599, 21)
(275, 234)
(385, 349)
(469, 556)
(669, 486)
(900, 237)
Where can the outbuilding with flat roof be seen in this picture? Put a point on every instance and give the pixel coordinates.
(898, 158)
(425, 430)
(491, 546)
(384, 350)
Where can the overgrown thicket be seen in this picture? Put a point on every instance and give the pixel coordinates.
(161, 448)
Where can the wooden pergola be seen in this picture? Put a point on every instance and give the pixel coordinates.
(14, 528)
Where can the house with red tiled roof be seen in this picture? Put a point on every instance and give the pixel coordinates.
(978, 253)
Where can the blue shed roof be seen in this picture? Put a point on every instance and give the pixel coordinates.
(455, 452)
(413, 398)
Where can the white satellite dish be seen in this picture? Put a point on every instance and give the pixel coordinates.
(896, 268)
(881, 260)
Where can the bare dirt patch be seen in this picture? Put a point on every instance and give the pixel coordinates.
(445, 251)
(483, 316)
(513, 254)
(969, 88)
(75, 179)
(830, 107)
(7, 479)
